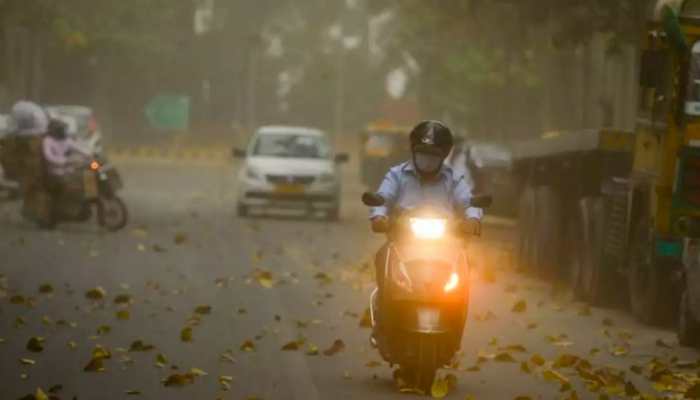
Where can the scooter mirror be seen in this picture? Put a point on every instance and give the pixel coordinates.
(481, 201)
(372, 199)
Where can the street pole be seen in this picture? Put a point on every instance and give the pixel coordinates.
(339, 94)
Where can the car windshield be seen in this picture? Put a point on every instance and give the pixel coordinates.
(291, 146)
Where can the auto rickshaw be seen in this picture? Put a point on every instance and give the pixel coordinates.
(383, 146)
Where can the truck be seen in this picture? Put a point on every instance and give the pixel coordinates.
(614, 212)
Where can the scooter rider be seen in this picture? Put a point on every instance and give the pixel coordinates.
(56, 148)
(423, 180)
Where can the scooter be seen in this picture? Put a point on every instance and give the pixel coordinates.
(422, 309)
(96, 188)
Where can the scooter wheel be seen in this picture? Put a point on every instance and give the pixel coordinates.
(112, 213)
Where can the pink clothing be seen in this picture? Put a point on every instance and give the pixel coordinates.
(56, 154)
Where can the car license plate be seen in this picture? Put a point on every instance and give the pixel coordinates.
(289, 188)
(90, 184)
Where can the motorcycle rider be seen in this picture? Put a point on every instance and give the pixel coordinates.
(56, 147)
(423, 180)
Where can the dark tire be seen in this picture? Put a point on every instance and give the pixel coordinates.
(596, 274)
(688, 327)
(644, 278)
(242, 210)
(112, 213)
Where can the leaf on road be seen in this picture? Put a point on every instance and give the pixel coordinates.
(440, 388)
(291, 346)
(203, 310)
(46, 288)
(312, 350)
(519, 307)
(537, 360)
(608, 322)
(247, 346)
(161, 361)
(104, 330)
(565, 361)
(95, 364)
(139, 345)
(132, 392)
(323, 278)
(179, 380)
(180, 238)
(186, 334)
(504, 357)
(35, 344)
(552, 375)
(40, 395)
(366, 320)
(122, 299)
(514, 348)
(661, 343)
(525, 367)
(227, 356)
(197, 372)
(123, 315)
(264, 278)
(17, 299)
(97, 293)
(337, 346)
(27, 361)
(373, 364)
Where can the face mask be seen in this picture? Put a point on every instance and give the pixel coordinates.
(427, 163)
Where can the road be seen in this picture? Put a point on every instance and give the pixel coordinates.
(261, 283)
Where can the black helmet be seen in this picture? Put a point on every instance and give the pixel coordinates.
(432, 137)
(57, 128)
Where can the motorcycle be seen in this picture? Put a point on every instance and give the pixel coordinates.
(96, 185)
(424, 292)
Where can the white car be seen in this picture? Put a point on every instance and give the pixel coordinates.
(290, 167)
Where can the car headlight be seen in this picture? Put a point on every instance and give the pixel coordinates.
(326, 178)
(252, 173)
(428, 228)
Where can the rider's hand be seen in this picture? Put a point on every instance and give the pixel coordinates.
(380, 224)
(471, 226)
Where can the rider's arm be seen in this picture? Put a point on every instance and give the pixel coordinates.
(389, 190)
(463, 195)
(53, 153)
(74, 146)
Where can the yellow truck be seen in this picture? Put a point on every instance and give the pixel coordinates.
(384, 144)
(614, 212)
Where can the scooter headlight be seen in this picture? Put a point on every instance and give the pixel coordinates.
(428, 228)
(452, 282)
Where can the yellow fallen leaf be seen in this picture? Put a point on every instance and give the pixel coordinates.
(197, 372)
(565, 361)
(291, 346)
(525, 368)
(537, 360)
(372, 364)
(178, 380)
(35, 344)
(40, 395)
(248, 346)
(519, 307)
(312, 350)
(504, 357)
(186, 334)
(440, 388)
(552, 375)
(97, 293)
(123, 315)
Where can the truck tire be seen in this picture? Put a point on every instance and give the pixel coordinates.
(526, 218)
(596, 276)
(688, 327)
(549, 231)
(644, 278)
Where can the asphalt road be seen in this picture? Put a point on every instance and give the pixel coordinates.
(185, 248)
